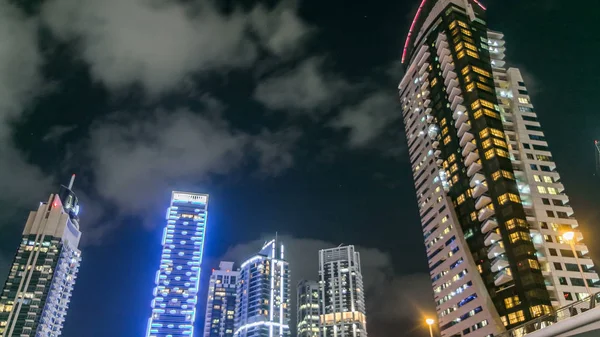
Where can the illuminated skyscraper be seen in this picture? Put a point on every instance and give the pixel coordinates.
(219, 320)
(263, 308)
(492, 207)
(343, 312)
(308, 309)
(178, 277)
(37, 293)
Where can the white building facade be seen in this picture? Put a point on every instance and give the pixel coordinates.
(343, 312)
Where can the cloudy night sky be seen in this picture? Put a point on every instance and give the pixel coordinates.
(284, 112)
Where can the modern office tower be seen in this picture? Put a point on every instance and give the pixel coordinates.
(307, 309)
(178, 277)
(219, 320)
(342, 293)
(488, 192)
(263, 308)
(37, 293)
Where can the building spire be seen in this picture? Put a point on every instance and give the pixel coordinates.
(72, 181)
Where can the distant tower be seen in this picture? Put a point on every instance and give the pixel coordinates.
(38, 290)
(308, 309)
(178, 277)
(343, 311)
(263, 308)
(220, 305)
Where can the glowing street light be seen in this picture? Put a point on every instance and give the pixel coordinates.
(570, 238)
(430, 322)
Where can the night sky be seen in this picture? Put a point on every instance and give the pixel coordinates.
(285, 113)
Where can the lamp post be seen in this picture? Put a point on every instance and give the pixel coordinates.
(430, 322)
(570, 238)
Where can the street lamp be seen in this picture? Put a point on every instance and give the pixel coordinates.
(570, 238)
(430, 322)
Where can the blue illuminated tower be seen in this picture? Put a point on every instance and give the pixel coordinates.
(177, 279)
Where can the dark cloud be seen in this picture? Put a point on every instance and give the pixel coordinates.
(306, 88)
(56, 132)
(367, 120)
(391, 298)
(21, 183)
(158, 44)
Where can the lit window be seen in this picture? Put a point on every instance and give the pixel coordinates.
(462, 24)
(472, 54)
(508, 303)
(552, 190)
(443, 122)
(466, 32)
(489, 154)
(477, 113)
(497, 133)
(523, 100)
(486, 143)
(433, 82)
(444, 131)
(496, 175)
(470, 87)
(453, 168)
(533, 264)
(537, 178)
(459, 47)
(452, 25)
(452, 158)
(541, 189)
(489, 112)
(460, 199)
(465, 70)
(548, 179)
(500, 143)
(482, 72)
(460, 54)
(502, 153)
(446, 140)
(483, 134)
(503, 199)
(470, 46)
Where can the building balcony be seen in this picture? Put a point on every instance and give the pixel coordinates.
(471, 157)
(462, 118)
(443, 53)
(424, 55)
(489, 224)
(425, 93)
(491, 238)
(463, 128)
(453, 93)
(437, 153)
(427, 102)
(446, 59)
(448, 68)
(480, 189)
(482, 202)
(441, 45)
(467, 137)
(452, 84)
(424, 85)
(454, 104)
(495, 250)
(451, 76)
(439, 162)
(499, 263)
(435, 144)
(440, 38)
(423, 68)
(468, 148)
(429, 118)
(473, 168)
(485, 213)
(428, 111)
(498, 63)
(504, 276)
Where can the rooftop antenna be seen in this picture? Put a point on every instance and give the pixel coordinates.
(72, 181)
(341, 244)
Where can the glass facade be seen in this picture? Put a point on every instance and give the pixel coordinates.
(220, 304)
(263, 289)
(177, 280)
(308, 309)
(36, 295)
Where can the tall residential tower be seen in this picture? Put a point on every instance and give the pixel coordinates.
(308, 303)
(219, 320)
(263, 308)
(178, 277)
(37, 293)
(342, 311)
(492, 207)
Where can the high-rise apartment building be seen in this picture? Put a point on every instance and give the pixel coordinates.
(178, 277)
(219, 320)
(263, 290)
(341, 288)
(308, 303)
(492, 207)
(36, 295)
